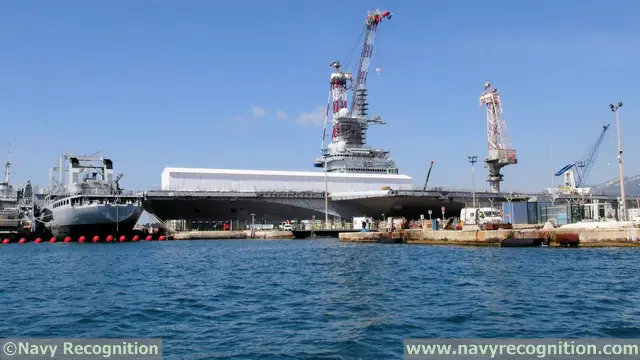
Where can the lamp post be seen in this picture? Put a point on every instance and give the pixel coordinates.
(253, 225)
(326, 194)
(473, 160)
(623, 200)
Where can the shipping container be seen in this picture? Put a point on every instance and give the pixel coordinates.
(515, 212)
(558, 212)
(633, 213)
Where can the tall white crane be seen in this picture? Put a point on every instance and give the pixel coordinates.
(501, 153)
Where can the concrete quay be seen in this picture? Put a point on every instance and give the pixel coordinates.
(506, 238)
(232, 235)
(597, 237)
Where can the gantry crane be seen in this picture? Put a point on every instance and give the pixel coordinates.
(576, 173)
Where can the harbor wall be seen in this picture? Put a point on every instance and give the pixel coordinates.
(232, 235)
(555, 237)
(209, 235)
(598, 237)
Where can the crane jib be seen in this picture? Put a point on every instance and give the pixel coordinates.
(583, 167)
(372, 21)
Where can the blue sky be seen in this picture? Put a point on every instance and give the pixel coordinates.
(244, 84)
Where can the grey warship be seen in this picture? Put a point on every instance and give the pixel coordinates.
(16, 205)
(90, 202)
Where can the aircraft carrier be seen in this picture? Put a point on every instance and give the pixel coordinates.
(348, 164)
(357, 180)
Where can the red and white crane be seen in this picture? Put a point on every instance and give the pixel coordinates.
(371, 25)
(341, 82)
(501, 153)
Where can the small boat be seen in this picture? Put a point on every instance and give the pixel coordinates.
(522, 242)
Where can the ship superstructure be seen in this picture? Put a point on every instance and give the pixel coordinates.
(16, 205)
(347, 151)
(8, 195)
(89, 201)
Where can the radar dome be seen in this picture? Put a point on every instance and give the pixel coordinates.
(343, 112)
(331, 147)
(342, 146)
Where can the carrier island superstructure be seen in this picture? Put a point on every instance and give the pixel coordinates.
(347, 152)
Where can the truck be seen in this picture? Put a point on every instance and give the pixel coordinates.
(634, 215)
(363, 223)
(393, 224)
(480, 216)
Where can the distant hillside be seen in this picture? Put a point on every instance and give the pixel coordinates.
(612, 187)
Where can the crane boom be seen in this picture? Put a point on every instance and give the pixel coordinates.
(371, 25)
(428, 176)
(591, 157)
(582, 168)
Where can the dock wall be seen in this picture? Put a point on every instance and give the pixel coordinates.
(556, 237)
(232, 235)
(598, 237)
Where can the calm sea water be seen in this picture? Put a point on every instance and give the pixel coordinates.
(313, 299)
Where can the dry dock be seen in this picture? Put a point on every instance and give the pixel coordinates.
(530, 237)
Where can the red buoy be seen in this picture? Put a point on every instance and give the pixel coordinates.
(81, 239)
(135, 238)
(6, 241)
(37, 241)
(161, 238)
(123, 238)
(109, 238)
(149, 238)
(22, 241)
(96, 239)
(52, 240)
(67, 239)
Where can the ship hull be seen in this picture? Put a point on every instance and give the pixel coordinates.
(272, 211)
(94, 220)
(240, 210)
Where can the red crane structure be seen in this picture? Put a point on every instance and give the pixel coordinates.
(341, 82)
(359, 108)
(501, 153)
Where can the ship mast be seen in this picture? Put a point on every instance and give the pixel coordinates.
(7, 166)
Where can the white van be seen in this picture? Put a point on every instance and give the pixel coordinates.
(480, 216)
